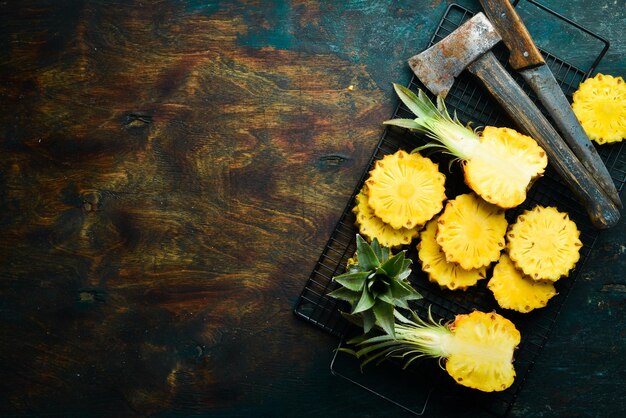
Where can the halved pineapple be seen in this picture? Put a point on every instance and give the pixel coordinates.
(471, 231)
(490, 173)
(484, 358)
(600, 106)
(441, 271)
(514, 290)
(499, 165)
(544, 243)
(405, 190)
(371, 226)
(477, 347)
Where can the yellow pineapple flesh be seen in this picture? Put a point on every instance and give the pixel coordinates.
(446, 274)
(471, 231)
(514, 290)
(477, 348)
(371, 226)
(544, 243)
(490, 172)
(600, 106)
(405, 190)
(482, 354)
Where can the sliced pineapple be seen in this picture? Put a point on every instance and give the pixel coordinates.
(544, 243)
(600, 106)
(405, 190)
(514, 290)
(471, 231)
(490, 172)
(440, 270)
(371, 226)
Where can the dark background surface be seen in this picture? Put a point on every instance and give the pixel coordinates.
(170, 172)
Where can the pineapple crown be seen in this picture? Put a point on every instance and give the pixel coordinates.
(435, 122)
(375, 284)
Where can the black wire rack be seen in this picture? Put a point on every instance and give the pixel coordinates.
(471, 102)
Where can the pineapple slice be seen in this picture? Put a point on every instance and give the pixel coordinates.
(499, 165)
(544, 243)
(471, 231)
(513, 290)
(477, 347)
(600, 106)
(440, 271)
(405, 190)
(371, 226)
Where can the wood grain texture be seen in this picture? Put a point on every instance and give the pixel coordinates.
(170, 173)
(515, 35)
(162, 182)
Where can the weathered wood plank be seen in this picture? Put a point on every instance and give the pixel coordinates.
(166, 189)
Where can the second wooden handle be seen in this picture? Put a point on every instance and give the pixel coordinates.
(504, 18)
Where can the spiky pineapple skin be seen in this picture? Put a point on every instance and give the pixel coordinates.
(485, 362)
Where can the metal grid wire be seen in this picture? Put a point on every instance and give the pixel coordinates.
(471, 103)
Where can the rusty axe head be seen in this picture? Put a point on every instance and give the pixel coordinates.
(438, 66)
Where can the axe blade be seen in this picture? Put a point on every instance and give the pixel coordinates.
(439, 65)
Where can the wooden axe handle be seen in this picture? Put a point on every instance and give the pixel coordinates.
(529, 119)
(504, 18)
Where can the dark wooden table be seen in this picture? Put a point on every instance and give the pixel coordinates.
(171, 170)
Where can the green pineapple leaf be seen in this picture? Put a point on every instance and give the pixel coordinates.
(401, 303)
(365, 254)
(369, 320)
(395, 265)
(403, 123)
(377, 249)
(386, 253)
(365, 302)
(348, 295)
(400, 290)
(409, 99)
(352, 280)
(384, 317)
(386, 296)
(375, 285)
(406, 269)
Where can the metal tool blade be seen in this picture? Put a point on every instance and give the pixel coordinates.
(438, 66)
(543, 83)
